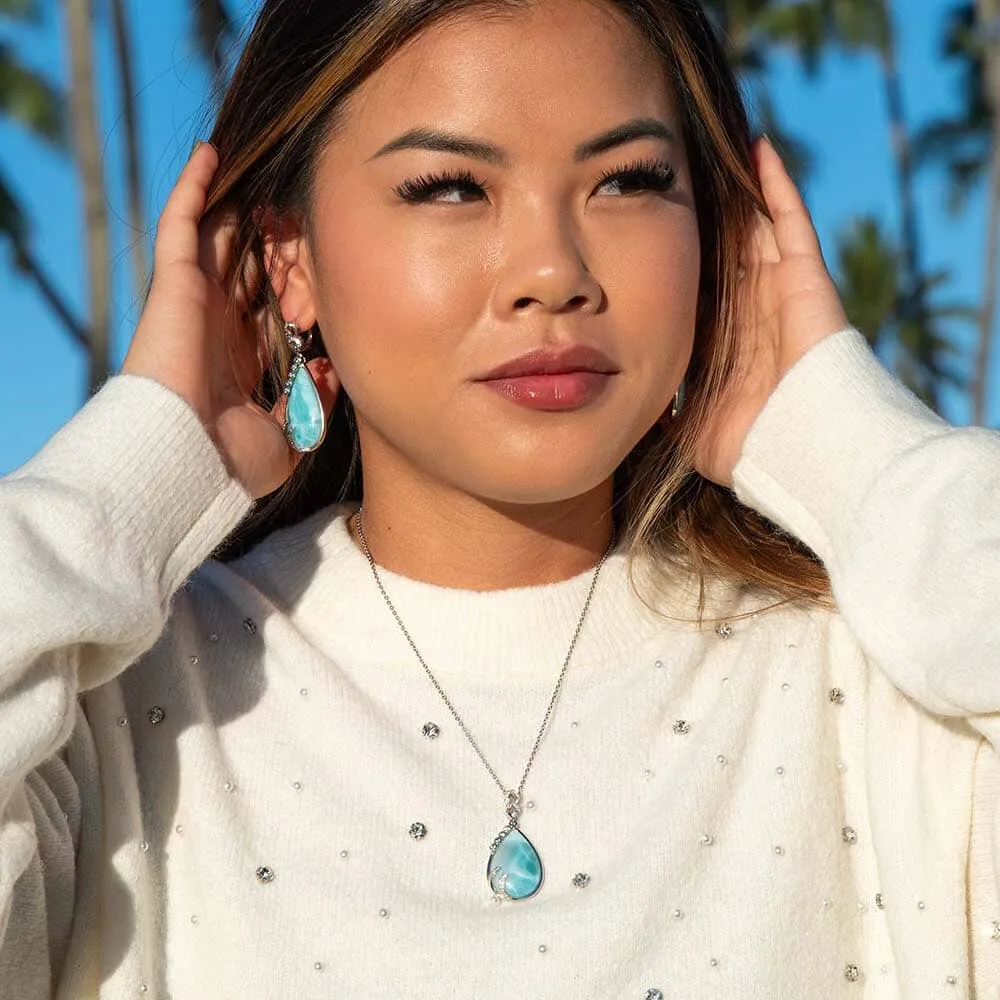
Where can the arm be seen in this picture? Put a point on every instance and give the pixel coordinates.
(96, 533)
(904, 511)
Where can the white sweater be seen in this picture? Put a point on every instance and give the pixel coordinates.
(786, 842)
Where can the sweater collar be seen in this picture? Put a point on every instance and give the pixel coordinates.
(324, 582)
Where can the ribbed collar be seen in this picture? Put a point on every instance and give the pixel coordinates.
(320, 577)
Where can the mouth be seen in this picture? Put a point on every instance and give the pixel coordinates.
(567, 390)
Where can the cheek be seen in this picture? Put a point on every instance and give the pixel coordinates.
(652, 289)
(394, 299)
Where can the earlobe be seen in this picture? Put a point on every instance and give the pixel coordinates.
(289, 268)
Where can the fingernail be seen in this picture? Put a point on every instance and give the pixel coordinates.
(194, 148)
(767, 139)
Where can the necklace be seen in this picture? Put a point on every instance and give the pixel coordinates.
(514, 870)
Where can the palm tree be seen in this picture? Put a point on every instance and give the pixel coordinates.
(212, 26)
(744, 26)
(33, 103)
(133, 167)
(968, 146)
(83, 106)
(811, 26)
(871, 273)
(988, 12)
(212, 29)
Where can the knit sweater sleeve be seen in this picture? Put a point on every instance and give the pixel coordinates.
(902, 508)
(96, 533)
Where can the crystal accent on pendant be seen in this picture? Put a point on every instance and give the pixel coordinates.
(515, 869)
(305, 422)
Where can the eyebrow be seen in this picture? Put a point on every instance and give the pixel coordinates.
(477, 149)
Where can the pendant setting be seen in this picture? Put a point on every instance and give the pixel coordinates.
(305, 421)
(514, 870)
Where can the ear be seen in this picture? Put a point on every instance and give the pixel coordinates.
(289, 267)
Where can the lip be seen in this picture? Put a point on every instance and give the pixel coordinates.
(559, 391)
(576, 358)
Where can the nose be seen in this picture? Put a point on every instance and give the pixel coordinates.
(545, 270)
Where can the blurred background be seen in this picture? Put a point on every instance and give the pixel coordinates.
(884, 109)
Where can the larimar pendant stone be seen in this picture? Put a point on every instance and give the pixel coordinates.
(305, 422)
(515, 869)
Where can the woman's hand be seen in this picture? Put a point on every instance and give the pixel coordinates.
(789, 304)
(185, 333)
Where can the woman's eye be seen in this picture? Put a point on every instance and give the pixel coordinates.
(646, 175)
(448, 188)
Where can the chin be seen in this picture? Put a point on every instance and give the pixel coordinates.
(526, 487)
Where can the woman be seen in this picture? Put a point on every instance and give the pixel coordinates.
(660, 657)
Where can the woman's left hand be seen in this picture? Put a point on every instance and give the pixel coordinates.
(789, 303)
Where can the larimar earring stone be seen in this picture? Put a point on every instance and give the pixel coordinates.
(305, 422)
(515, 869)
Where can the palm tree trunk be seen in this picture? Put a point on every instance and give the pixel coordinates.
(903, 154)
(88, 155)
(920, 349)
(133, 170)
(987, 15)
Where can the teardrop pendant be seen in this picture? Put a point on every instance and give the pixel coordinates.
(514, 870)
(305, 422)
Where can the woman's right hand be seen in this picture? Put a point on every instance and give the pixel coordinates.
(185, 333)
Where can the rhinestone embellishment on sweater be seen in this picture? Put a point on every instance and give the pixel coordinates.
(418, 831)
(431, 730)
(156, 715)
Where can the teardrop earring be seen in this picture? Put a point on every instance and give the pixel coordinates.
(305, 421)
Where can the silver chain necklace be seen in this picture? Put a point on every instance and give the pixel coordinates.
(514, 869)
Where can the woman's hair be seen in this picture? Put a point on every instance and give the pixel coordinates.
(303, 58)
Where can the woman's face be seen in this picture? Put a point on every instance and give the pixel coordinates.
(541, 243)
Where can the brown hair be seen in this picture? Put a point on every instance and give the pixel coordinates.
(304, 57)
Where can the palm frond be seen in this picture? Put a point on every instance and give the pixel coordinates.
(30, 100)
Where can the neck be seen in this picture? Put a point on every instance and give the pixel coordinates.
(468, 543)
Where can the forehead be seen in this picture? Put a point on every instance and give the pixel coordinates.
(548, 72)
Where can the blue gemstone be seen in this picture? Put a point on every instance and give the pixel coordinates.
(305, 423)
(515, 869)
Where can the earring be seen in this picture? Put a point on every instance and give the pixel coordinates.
(305, 422)
(678, 403)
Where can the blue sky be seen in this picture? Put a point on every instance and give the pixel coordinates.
(841, 116)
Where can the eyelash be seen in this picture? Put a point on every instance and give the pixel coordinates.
(651, 174)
